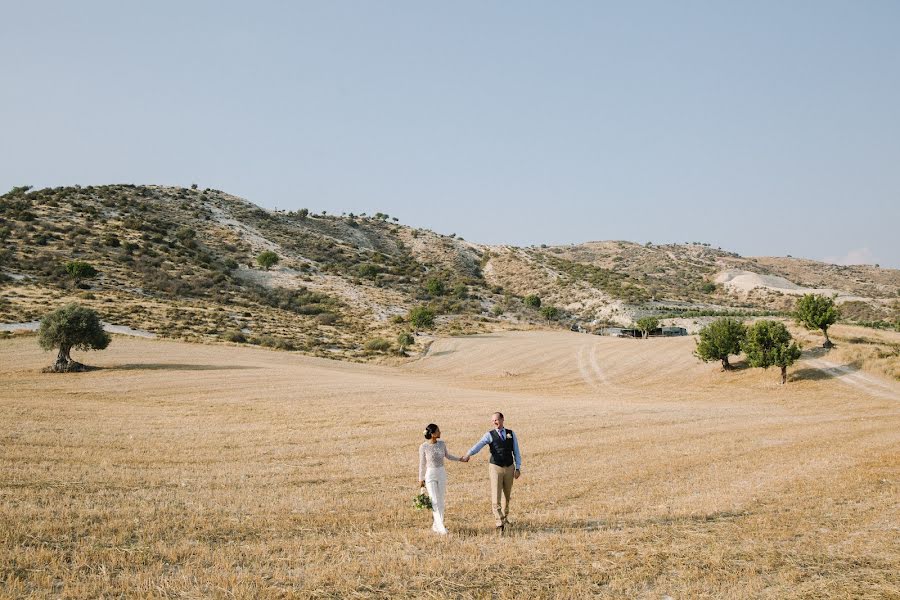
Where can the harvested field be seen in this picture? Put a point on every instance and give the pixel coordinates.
(186, 471)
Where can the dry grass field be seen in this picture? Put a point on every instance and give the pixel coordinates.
(192, 471)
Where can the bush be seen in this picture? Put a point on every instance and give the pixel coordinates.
(421, 317)
(237, 337)
(532, 301)
(378, 345)
(326, 318)
(80, 270)
(435, 287)
(550, 313)
(267, 259)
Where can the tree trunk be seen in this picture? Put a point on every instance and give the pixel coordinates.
(64, 362)
(828, 343)
(783, 375)
(726, 366)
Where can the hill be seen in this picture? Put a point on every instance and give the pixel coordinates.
(181, 263)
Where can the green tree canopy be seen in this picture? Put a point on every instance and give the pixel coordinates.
(646, 325)
(815, 311)
(719, 340)
(267, 259)
(80, 270)
(768, 344)
(421, 317)
(550, 313)
(72, 326)
(532, 301)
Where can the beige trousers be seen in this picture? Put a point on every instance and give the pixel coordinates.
(501, 486)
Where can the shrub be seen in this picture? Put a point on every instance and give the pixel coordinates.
(326, 318)
(237, 337)
(378, 345)
(435, 287)
(80, 270)
(421, 317)
(405, 340)
(532, 301)
(267, 259)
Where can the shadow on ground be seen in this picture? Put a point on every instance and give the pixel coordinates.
(177, 367)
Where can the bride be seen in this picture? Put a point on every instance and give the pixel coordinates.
(433, 475)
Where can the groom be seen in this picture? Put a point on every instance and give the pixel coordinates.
(504, 447)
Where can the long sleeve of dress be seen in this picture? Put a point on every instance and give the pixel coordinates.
(449, 456)
(422, 462)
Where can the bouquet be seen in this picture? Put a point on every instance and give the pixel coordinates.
(422, 501)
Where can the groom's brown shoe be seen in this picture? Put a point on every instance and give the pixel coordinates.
(499, 529)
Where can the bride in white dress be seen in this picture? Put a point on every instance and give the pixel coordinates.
(433, 475)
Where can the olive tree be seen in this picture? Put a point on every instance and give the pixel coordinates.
(768, 344)
(719, 340)
(550, 313)
(815, 311)
(646, 325)
(71, 327)
(267, 259)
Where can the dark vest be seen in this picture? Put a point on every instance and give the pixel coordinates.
(502, 451)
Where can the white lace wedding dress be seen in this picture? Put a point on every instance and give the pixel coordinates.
(433, 473)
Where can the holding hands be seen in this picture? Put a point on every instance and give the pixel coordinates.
(465, 458)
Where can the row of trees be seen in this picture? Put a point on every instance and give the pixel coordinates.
(766, 343)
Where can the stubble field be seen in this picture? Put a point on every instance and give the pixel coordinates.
(188, 471)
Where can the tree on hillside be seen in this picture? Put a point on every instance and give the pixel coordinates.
(421, 317)
(404, 341)
(80, 270)
(267, 259)
(550, 313)
(646, 325)
(532, 301)
(815, 311)
(769, 343)
(303, 213)
(719, 340)
(72, 326)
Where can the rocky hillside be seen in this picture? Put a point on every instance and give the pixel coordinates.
(182, 263)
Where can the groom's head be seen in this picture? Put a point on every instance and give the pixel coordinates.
(497, 420)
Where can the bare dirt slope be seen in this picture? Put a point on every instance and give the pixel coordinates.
(181, 470)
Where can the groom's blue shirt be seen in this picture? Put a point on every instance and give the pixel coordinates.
(484, 441)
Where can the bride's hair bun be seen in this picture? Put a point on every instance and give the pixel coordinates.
(429, 431)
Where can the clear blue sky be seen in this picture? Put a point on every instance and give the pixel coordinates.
(767, 128)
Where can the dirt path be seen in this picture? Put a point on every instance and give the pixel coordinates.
(856, 379)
